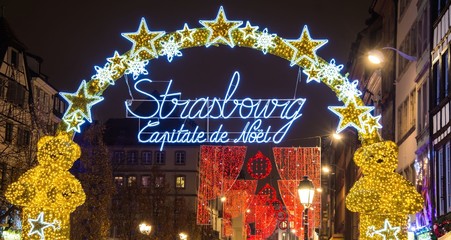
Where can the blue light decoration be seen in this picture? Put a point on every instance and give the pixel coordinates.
(255, 111)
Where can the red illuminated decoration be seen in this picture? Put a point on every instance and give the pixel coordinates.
(292, 164)
(238, 199)
(262, 213)
(219, 168)
(259, 166)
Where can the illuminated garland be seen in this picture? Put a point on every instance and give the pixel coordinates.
(148, 44)
(49, 190)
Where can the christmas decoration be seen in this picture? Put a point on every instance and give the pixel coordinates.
(387, 233)
(219, 168)
(49, 190)
(259, 166)
(382, 195)
(292, 164)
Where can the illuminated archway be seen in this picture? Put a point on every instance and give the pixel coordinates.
(148, 45)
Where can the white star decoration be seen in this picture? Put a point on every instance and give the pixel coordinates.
(388, 232)
(348, 90)
(104, 75)
(186, 33)
(351, 115)
(265, 41)
(331, 71)
(38, 225)
(171, 48)
(137, 67)
(143, 39)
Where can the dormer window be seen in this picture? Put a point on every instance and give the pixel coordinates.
(14, 58)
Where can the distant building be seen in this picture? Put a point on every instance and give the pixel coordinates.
(174, 168)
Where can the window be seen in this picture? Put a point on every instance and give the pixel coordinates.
(146, 157)
(444, 79)
(408, 46)
(436, 83)
(132, 157)
(118, 157)
(180, 157)
(447, 158)
(2, 87)
(15, 93)
(23, 137)
(160, 157)
(145, 181)
(159, 181)
(131, 181)
(180, 182)
(119, 181)
(14, 58)
(9, 132)
(423, 106)
(406, 118)
(441, 181)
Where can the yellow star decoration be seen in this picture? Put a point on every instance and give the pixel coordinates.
(249, 31)
(312, 74)
(388, 232)
(144, 40)
(351, 115)
(81, 101)
(304, 47)
(38, 225)
(220, 29)
(372, 122)
(117, 61)
(74, 122)
(186, 33)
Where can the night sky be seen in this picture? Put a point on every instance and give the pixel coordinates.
(74, 36)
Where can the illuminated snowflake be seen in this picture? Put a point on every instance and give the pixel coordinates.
(171, 48)
(330, 71)
(265, 41)
(104, 75)
(348, 90)
(136, 67)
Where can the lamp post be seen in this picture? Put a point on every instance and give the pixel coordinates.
(145, 228)
(375, 56)
(306, 191)
(183, 236)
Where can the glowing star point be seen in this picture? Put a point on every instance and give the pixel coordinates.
(220, 29)
(372, 123)
(304, 47)
(171, 48)
(312, 74)
(388, 232)
(186, 33)
(81, 101)
(265, 41)
(74, 122)
(144, 40)
(117, 61)
(38, 225)
(351, 115)
(249, 31)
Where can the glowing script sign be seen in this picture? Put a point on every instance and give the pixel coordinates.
(254, 112)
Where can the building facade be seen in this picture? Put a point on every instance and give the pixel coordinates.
(29, 108)
(439, 116)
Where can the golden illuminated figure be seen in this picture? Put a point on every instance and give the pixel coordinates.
(48, 192)
(382, 195)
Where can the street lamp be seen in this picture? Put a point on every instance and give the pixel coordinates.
(306, 192)
(183, 236)
(376, 57)
(145, 229)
